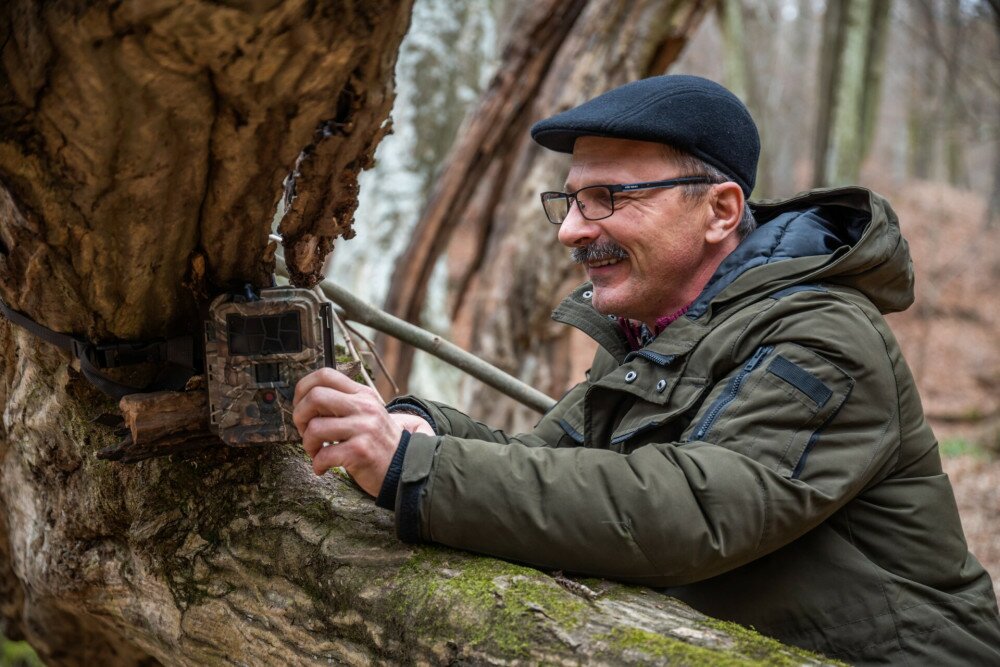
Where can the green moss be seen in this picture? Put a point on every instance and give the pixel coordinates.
(17, 654)
(749, 649)
(673, 651)
(342, 356)
(764, 649)
(485, 602)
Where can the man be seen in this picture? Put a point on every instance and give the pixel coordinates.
(748, 437)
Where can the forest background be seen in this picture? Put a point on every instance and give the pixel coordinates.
(932, 147)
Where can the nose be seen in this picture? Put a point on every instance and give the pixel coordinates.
(576, 230)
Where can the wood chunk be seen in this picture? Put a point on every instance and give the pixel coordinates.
(157, 415)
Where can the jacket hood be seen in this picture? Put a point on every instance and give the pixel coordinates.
(846, 236)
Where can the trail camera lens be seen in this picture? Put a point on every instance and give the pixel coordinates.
(264, 334)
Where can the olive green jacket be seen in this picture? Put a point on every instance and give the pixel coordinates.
(764, 459)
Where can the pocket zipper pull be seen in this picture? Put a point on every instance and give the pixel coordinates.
(757, 357)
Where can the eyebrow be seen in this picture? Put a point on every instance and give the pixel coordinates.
(568, 187)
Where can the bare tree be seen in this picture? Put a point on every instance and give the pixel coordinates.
(851, 65)
(992, 218)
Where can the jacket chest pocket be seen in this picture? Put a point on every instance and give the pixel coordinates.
(610, 419)
(645, 423)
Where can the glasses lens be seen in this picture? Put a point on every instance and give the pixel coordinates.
(595, 202)
(556, 205)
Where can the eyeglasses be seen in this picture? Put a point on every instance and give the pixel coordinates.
(597, 202)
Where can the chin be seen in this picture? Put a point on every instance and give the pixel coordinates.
(606, 304)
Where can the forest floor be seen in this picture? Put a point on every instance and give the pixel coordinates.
(976, 479)
(949, 337)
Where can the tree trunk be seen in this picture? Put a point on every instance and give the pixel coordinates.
(953, 106)
(734, 51)
(922, 131)
(874, 73)
(511, 270)
(991, 218)
(142, 150)
(854, 34)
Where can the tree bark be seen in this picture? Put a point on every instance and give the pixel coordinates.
(851, 65)
(141, 152)
(511, 271)
(874, 73)
(922, 117)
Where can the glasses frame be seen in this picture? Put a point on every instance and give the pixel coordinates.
(612, 189)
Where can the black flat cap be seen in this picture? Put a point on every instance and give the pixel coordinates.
(690, 113)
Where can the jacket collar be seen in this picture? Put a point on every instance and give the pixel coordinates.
(577, 311)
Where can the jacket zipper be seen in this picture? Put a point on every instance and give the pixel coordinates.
(731, 392)
(657, 358)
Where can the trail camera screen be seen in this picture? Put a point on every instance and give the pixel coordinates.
(264, 334)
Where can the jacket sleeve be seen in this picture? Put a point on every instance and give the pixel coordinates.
(448, 421)
(776, 447)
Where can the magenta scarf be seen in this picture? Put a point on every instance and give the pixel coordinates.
(639, 335)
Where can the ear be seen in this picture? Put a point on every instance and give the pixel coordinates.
(726, 201)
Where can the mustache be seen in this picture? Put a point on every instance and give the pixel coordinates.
(598, 251)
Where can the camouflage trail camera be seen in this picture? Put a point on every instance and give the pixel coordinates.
(255, 351)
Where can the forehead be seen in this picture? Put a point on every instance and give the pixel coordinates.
(603, 160)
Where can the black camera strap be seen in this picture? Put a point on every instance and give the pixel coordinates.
(177, 355)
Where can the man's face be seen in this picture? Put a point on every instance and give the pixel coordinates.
(662, 232)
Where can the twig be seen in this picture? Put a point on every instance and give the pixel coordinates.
(360, 311)
(378, 357)
(352, 350)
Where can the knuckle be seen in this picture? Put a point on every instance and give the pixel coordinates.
(326, 374)
(312, 430)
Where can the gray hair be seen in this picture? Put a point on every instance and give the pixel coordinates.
(692, 166)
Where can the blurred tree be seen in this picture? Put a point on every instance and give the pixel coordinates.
(769, 52)
(512, 271)
(992, 217)
(730, 13)
(850, 76)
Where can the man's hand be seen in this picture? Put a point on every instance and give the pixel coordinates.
(330, 407)
(412, 423)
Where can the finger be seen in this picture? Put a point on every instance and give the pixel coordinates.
(328, 429)
(347, 455)
(324, 377)
(322, 401)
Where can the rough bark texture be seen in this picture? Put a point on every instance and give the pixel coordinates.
(142, 149)
(507, 269)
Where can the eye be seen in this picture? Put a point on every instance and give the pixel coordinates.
(597, 199)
